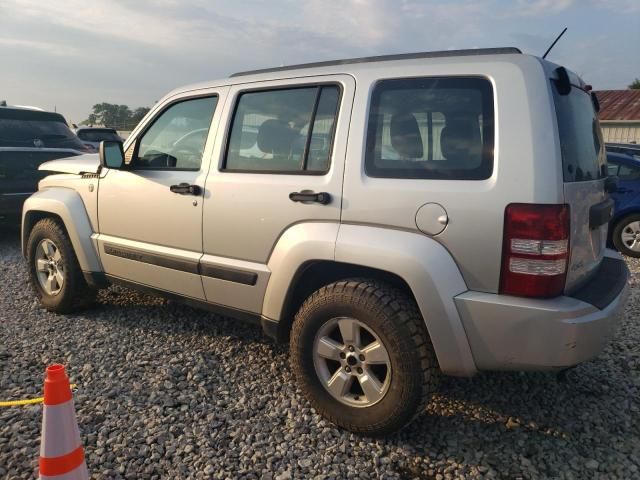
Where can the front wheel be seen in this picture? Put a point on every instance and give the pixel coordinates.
(626, 235)
(362, 356)
(54, 270)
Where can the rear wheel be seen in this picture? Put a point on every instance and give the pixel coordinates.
(54, 270)
(362, 356)
(626, 235)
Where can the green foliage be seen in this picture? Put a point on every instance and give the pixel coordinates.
(115, 116)
(635, 85)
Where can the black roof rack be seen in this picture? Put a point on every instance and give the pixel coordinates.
(386, 58)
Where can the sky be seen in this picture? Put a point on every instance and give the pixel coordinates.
(72, 54)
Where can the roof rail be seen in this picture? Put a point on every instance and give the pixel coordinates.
(386, 58)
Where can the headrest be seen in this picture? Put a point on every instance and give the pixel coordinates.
(405, 135)
(460, 140)
(275, 136)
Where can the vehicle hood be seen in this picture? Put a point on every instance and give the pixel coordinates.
(86, 163)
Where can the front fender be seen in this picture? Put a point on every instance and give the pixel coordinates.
(66, 204)
(431, 273)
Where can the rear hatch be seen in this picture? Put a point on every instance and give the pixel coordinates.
(584, 172)
(29, 138)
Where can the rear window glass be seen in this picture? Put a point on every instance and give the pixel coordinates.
(439, 128)
(581, 144)
(98, 136)
(29, 129)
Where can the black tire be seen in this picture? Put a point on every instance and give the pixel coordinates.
(75, 294)
(395, 319)
(618, 230)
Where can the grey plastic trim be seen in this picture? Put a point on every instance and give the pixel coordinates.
(229, 274)
(386, 58)
(433, 277)
(67, 205)
(214, 271)
(153, 259)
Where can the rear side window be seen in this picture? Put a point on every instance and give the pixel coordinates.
(581, 144)
(628, 173)
(283, 131)
(99, 135)
(435, 127)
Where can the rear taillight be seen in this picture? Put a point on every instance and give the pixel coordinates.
(535, 250)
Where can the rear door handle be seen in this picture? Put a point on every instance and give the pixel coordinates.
(186, 189)
(308, 196)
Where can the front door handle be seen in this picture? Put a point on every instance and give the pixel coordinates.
(307, 196)
(186, 189)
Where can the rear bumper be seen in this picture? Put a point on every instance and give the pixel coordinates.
(513, 333)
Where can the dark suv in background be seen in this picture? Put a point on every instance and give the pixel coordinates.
(28, 138)
(92, 136)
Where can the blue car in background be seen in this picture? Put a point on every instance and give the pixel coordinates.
(624, 227)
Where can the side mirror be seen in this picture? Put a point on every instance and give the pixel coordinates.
(111, 154)
(611, 184)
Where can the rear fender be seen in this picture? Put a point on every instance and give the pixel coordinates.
(432, 275)
(424, 265)
(297, 246)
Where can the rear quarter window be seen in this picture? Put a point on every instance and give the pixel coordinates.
(432, 127)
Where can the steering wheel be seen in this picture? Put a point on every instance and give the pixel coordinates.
(185, 150)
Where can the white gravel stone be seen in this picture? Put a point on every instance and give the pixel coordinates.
(166, 391)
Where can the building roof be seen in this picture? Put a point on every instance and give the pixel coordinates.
(619, 104)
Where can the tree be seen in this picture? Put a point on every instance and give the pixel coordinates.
(138, 114)
(115, 116)
(635, 85)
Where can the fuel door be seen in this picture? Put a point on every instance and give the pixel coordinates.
(431, 218)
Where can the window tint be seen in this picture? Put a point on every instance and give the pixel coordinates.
(431, 128)
(98, 135)
(581, 143)
(33, 129)
(628, 173)
(612, 169)
(177, 137)
(283, 130)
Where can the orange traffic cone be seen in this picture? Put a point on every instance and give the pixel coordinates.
(61, 452)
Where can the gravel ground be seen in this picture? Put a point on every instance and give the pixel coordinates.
(166, 391)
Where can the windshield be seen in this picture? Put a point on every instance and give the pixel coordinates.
(583, 155)
(98, 135)
(36, 129)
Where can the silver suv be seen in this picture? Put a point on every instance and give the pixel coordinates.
(393, 218)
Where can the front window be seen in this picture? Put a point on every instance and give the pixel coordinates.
(176, 139)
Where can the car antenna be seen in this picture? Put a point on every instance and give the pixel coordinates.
(554, 43)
